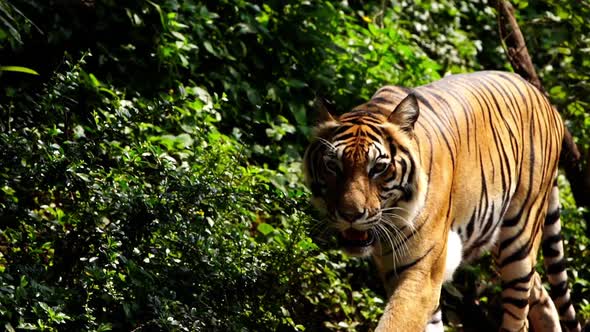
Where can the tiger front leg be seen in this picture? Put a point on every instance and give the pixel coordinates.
(416, 295)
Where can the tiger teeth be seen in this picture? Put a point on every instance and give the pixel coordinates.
(355, 235)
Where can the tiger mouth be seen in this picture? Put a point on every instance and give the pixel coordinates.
(352, 238)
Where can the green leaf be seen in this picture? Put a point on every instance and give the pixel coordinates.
(44, 306)
(265, 228)
(178, 35)
(296, 83)
(19, 69)
(307, 244)
(9, 327)
(453, 290)
(209, 47)
(160, 13)
(185, 140)
(95, 82)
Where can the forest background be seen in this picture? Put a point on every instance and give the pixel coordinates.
(150, 151)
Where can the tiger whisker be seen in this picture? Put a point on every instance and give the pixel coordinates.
(318, 224)
(384, 231)
(320, 229)
(393, 208)
(407, 223)
(399, 243)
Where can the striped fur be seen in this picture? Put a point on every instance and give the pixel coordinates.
(472, 154)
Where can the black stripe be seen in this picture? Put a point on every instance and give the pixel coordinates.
(558, 290)
(571, 324)
(340, 130)
(519, 303)
(407, 193)
(507, 242)
(404, 89)
(404, 166)
(381, 100)
(551, 240)
(442, 132)
(387, 89)
(531, 143)
(499, 143)
(375, 128)
(371, 136)
(339, 139)
(358, 113)
(488, 224)
(470, 226)
(451, 114)
(510, 313)
(564, 307)
(520, 254)
(557, 267)
(401, 269)
(547, 246)
(549, 252)
(552, 217)
(512, 221)
(522, 280)
(477, 245)
(510, 105)
(352, 121)
(403, 149)
(370, 104)
(412, 168)
(392, 148)
(514, 105)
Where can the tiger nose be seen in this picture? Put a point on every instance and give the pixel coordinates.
(351, 216)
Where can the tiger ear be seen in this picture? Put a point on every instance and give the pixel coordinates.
(324, 108)
(406, 113)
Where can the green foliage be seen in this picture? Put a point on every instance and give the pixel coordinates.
(451, 32)
(141, 214)
(150, 174)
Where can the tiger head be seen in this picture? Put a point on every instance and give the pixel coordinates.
(363, 171)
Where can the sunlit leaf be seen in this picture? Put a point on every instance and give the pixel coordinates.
(19, 69)
(265, 228)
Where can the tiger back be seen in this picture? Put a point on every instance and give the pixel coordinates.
(424, 179)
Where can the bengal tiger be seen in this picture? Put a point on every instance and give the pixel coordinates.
(428, 178)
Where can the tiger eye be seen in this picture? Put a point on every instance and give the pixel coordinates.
(378, 168)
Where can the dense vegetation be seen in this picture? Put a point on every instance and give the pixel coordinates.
(150, 154)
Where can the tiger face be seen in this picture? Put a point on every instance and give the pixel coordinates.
(362, 171)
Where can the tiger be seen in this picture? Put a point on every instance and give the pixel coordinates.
(426, 179)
